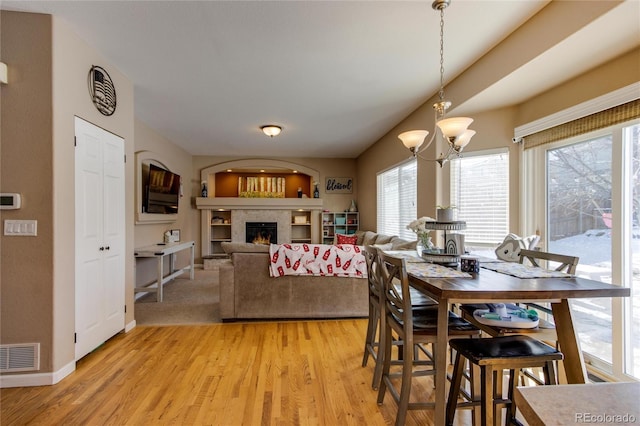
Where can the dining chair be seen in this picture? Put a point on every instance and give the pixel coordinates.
(376, 319)
(412, 327)
(545, 331)
(493, 355)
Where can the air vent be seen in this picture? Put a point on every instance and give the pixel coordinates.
(19, 357)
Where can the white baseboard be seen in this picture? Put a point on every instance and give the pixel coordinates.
(130, 326)
(38, 379)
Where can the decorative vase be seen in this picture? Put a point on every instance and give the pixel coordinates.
(353, 207)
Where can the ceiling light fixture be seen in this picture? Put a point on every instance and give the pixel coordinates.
(455, 129)
(271, 130)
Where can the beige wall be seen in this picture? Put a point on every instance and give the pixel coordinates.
(26, 263)
(495, 127)
(49, 66)
(188, 220)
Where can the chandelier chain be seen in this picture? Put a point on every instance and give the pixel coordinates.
(441, 93)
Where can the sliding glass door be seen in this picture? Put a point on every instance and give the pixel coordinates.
(591, 209)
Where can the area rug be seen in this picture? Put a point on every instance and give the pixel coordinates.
(185, 302)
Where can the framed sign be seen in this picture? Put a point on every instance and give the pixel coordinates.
(338, 185)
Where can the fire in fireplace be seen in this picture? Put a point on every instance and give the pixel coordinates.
(262, 232)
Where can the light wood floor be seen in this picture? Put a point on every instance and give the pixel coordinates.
(274, 373)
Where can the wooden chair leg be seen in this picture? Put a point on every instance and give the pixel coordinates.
(370, 336)
(511, 406)
(405, 388)
(386, 365)
(382, 354)
(454, 389)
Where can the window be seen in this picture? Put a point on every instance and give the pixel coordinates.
(480, 191)
(397, 191)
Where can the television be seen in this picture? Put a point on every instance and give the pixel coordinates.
(162, 191)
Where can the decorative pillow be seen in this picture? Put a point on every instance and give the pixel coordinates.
(360, 234)
(400, 244)
(509, 250)
(346, 239)
(369, 238)
(384, 239)
(383, 247)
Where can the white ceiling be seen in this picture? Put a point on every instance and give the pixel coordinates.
(336, 75)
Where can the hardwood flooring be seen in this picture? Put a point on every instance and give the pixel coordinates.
(256, 373)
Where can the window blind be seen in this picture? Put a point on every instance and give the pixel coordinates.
(589, 123)
(480, 191)
(396, 196)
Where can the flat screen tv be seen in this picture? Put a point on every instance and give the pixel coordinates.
(163, 191)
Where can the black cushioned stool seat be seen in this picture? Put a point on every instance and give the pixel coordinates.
(493, 355)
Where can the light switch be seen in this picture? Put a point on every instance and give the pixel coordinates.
(21, 228)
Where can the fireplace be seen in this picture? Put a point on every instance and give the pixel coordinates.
(262, 232)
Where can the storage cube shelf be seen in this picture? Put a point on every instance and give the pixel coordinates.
(338, 223)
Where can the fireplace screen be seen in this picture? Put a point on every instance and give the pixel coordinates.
(262, 232)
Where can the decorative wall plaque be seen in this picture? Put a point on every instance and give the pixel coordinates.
(339, 185)
(102, 90)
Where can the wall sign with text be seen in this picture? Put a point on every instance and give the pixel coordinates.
(339, 185)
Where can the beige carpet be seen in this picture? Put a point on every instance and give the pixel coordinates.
(185, 302)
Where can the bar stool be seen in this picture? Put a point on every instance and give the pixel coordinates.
(493, 355)
(376, 321)
(413, 327)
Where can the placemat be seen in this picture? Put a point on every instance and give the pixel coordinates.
(410, 256)
(523, 271)
(432, 270)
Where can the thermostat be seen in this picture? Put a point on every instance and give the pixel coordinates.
(10, 201)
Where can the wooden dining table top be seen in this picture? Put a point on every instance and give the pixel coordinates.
(495, 286)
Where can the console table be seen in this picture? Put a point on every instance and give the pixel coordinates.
(159, 251)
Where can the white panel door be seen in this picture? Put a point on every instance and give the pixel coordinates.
(99, 190)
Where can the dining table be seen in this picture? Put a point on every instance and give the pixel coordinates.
(490, 286)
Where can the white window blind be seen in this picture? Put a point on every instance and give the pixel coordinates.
(397, 189)
(480, 191)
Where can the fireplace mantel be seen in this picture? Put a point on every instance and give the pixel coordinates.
(235, 203)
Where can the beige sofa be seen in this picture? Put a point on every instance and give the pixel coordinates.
(248, 292)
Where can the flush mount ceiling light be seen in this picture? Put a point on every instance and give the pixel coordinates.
(454, 129)
(271, 130)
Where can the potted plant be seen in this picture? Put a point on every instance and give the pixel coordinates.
(444, 213)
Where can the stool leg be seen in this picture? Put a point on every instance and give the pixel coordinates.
(387, 364)
(454, 389)
(382, 352)
(371, 334)
(486, 392)
(511, 406)
(405, 387)
(549, 373)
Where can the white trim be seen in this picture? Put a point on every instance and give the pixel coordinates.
(601, 103)
(40, 379)
(130, 326)
(492, 151)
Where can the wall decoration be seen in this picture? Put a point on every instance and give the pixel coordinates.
(338, 185)
(102, 90)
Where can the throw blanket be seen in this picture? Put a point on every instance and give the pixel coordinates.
(317, 259)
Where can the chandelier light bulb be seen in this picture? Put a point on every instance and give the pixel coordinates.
(413, 138)
(454, 127)
(463, 140)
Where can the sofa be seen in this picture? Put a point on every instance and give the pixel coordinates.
(247, 291)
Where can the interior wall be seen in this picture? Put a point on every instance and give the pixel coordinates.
(327, 167)
(72, 61)
(26, 145)
(178, 161)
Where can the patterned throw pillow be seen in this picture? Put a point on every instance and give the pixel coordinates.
(346, 239)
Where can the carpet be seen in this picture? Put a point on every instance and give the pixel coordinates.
(185, 301)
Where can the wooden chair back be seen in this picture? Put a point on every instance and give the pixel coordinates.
(397, 295)
(373, 274)
(566, 263)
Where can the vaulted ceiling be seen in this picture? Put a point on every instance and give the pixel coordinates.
(336, 75)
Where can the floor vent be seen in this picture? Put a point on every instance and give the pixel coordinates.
(19, 357)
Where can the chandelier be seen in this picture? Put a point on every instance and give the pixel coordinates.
(454, 130)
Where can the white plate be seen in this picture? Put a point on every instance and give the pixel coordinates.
(516, 321)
